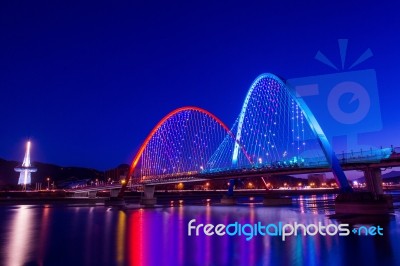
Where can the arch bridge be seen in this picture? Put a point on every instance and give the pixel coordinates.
(275, 133)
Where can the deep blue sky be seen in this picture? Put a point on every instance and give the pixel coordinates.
(88, 81)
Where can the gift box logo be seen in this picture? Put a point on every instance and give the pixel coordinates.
(345, 103)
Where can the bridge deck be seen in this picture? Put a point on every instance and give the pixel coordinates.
(248, 172)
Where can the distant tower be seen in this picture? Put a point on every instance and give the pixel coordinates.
(26, 169)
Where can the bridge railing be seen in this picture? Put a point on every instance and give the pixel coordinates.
(362, 156)
(167, 176)
(365, 155)
(167, 179)
(395, 152)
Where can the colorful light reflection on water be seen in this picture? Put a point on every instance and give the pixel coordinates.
(36, 235)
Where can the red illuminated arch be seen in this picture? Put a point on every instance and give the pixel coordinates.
(168, 116)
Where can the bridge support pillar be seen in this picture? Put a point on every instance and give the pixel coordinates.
(373, 202)
(114, 193)
(229, 199)
(114, 199)
(373, 178)
(148, 198)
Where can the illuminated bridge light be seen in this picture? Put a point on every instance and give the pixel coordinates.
(283, 137)
(176, 146)
(269, 132)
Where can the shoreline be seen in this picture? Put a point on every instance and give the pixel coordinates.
(163, 197)
(65, 198)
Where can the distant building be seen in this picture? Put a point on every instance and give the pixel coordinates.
(316, 180)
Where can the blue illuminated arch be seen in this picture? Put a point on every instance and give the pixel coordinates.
(310, 118)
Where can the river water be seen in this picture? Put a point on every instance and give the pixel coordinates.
(98, 235)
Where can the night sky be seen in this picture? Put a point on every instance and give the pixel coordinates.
(86, 82)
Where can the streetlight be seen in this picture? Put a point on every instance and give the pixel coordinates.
(180, 186)
(48, 183)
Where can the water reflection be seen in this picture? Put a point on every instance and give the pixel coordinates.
(107, 236)
(43, 235)
(267, 250)
(19, 243)
(121, 232)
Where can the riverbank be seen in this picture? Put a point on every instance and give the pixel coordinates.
(163, 197)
